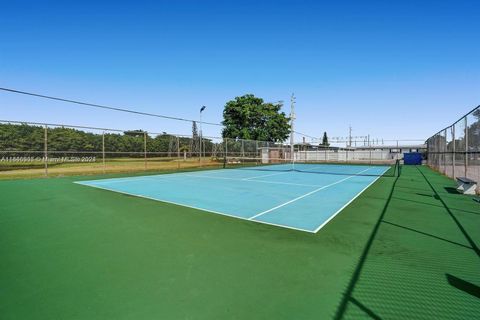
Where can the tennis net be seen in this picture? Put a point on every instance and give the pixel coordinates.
(381, 168)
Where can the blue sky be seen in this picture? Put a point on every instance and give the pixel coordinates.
(390, 69)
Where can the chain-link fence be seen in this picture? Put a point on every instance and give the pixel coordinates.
(42, 149)
(32, 149)
(35, 149)
(455, 150)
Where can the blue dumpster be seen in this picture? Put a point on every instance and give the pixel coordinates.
(412, 158)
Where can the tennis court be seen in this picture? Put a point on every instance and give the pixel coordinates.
(304, 197)
(406, 248)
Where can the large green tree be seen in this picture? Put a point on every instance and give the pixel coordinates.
(249, 117)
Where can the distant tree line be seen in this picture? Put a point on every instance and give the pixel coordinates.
(24, 137)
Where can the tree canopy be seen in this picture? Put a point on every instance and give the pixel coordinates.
(31, 138)
(249, 117)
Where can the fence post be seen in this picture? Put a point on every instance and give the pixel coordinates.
(103, 151)
(444, 152)
(145, 148)
(178, 151)
(454, 155)
(45, 150)
(226, 150)
(428, 152)
(466, 146)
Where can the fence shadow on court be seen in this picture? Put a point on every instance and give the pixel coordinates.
(410, 268)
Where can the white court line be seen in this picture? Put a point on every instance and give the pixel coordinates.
(196, 208)
(149, 177)
(259, 181)
(174, 175)
(199, 174)
(267, 175)
(135, 178)
(346, 204)
(222, 213)
(306, 195)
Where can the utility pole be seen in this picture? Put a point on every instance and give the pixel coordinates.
(292, 122)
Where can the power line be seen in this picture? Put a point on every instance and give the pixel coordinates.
(306, 135)
(139, 112)
(104, 106)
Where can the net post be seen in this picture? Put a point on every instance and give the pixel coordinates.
(45, 150)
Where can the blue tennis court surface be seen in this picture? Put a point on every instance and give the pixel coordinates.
(290, 199)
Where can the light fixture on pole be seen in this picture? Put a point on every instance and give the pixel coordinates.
(201, 133)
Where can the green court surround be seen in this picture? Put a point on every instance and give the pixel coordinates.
(407, 248)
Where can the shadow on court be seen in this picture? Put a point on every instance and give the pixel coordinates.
(422, 258)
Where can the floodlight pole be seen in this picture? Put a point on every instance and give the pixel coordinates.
(200, 145)
(201, 131)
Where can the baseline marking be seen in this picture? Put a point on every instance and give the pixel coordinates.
(193, 207)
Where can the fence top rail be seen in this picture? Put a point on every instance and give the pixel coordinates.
(279, 143)
(122, 131)
(460, 119)
(59, 125)
(96, 128)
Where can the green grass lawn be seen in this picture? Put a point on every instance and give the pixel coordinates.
(28, 170)
(407, 248)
